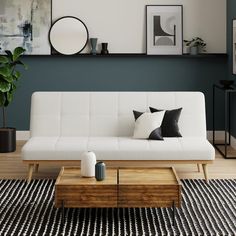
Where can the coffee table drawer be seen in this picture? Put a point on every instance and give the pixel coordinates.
(86, 196)
(148, 196)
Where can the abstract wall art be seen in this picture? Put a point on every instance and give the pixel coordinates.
(234, 46)
(25, 23)
(164, 29)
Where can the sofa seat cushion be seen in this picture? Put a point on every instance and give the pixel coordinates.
(117, 148)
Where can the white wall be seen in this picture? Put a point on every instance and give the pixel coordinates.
(122, 23)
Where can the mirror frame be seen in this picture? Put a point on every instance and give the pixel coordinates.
(54, 50)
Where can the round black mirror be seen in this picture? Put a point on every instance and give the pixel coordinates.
(68, 35)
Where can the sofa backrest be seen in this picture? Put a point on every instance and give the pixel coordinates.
(110, 113)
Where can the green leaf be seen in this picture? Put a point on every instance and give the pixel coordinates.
(17, 75)
(13, 87)
(4, 86)
(9, 97)
(21, 63)
(2, 99)
(3, 59)
(9, 54)
(6, 103)
(8, 79)
(5, 71)
(17, 53)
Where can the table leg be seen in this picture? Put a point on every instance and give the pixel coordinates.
(173, 213)
(62, 213)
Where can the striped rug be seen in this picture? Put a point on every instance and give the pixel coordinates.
(206, 210)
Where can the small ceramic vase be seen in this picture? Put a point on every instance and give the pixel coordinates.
(88, 162)
(104, 48)
(93, 42)
(100, 171)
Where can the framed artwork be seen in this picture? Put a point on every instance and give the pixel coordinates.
(234, 46)
(25, 23)
(164, 29)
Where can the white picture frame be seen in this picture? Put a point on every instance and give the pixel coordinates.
(164, 29)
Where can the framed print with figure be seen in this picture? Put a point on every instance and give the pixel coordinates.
(164, 29)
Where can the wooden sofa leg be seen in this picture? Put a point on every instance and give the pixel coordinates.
(36, 168)
(199, 167)
(30, 172)
(205, 171)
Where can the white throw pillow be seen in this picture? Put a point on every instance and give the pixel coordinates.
(148, 125)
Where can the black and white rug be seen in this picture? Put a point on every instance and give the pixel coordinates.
(206, 210)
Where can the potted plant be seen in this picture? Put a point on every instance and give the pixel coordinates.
(196, 44)
(8, 81)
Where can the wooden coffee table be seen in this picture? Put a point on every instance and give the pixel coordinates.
(123, 187)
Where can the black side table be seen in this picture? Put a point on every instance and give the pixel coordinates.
(227, 115)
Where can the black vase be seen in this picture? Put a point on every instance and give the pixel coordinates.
(7, 140)
(100, 171)
(104, 49)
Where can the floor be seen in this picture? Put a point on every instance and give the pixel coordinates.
(11, 167)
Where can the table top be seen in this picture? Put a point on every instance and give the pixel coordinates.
(72, 176)
(127, 176)
(148, 176)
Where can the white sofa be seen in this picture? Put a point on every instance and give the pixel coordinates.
(65, 124)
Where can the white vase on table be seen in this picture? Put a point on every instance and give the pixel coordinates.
(88, 162)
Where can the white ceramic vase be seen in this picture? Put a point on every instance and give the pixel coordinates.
(88, 162)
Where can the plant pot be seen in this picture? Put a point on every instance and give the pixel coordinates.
(186, 50)
(7, 140)
(194, 51)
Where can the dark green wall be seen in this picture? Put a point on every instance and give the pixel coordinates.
(115, 74)
(231, 13)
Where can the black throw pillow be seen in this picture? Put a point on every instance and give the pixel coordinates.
(169, 126)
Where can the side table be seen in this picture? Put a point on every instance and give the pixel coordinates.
(227, 122)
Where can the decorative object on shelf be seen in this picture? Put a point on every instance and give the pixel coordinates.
(8, 84)
(227, 84)
(234, 46)
(88, 162)
(68, 35)
(186, 50)
(100, 171)
(196, 45)
(194, 50)
(26, 24)
(104, 49)
(164, 29)
(93, 42)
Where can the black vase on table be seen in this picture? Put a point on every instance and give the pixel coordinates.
(100, 171)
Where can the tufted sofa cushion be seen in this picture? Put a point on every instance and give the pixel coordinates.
(118, 148)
